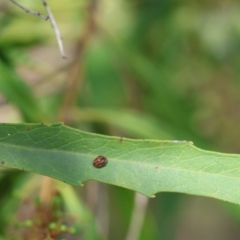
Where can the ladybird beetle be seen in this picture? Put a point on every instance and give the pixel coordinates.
(100, 162)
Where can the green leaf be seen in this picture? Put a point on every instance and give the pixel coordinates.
(146, 166)
(133, 122)
(17, 92)
(76, 207)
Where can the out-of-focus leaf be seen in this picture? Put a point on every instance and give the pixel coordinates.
(103, 83)
(18, 93)
(15, 187)
(133, 122)
(84, 219)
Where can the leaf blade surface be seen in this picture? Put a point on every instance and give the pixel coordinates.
(146, 166)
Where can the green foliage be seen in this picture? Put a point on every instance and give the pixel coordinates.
(160, 70)
(18, 93)
(145, 166)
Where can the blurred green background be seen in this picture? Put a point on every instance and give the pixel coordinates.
(153, 69)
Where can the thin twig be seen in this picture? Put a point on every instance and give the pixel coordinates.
(76, 73)
(55, 28)
(37, 14)
(138, 215)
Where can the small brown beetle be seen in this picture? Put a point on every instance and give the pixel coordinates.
(100, 162)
